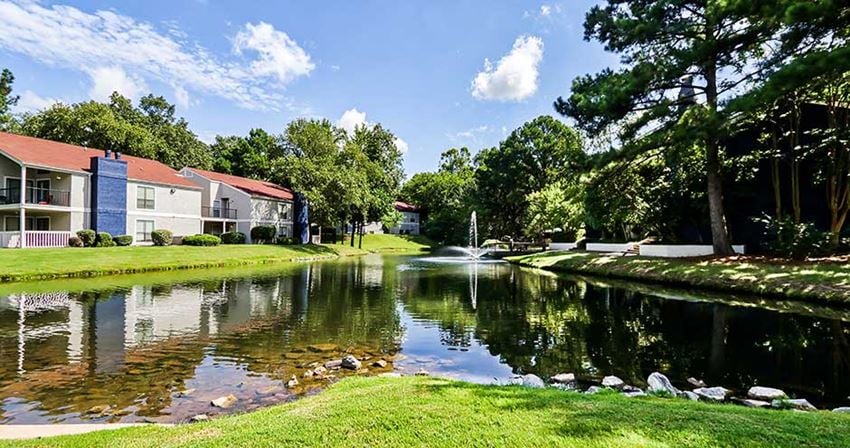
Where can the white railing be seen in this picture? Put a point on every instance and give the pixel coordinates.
(10, 239)
(43, 238)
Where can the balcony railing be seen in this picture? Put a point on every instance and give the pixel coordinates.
(34, 195)
(218, 212)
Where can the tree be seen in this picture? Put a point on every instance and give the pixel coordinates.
(559, 205)
(537, 154)
(7, 100)
(150, 130)
(666, 45)
(253, 156)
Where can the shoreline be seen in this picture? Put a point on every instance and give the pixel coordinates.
(810, 282)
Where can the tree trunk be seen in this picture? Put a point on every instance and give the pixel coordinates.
(360, 243)
(719, 232)
(353, 229)
(775, 175)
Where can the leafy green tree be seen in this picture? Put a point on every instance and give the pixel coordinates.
(150, 130)
(7, 100)
(559, 205)
(382, 165)
(253, 156)
(537, 154)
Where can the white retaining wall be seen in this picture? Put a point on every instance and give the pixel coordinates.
(562, 246)
(681, 250)
(608, 247)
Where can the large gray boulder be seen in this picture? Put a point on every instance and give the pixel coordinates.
(613, 382)
(532, 380)
(351, 363)
(563, 378)
(765, 393)
(800, 404)
(658, 383)
(716, 393)
(690, 395)
(842, 409)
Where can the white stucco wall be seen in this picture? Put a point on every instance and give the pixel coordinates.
(177, 209)
(681, 250)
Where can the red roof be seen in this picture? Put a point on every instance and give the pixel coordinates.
(49, 154)
(251, 186)
(405, 207)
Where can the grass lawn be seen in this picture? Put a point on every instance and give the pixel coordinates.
(32, 264)
(824, 281)
(431, 412)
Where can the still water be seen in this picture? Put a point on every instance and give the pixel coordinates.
(160, 347)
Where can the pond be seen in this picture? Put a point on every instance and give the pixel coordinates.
(159, 347)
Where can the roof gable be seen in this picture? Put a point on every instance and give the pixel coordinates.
(253, 187)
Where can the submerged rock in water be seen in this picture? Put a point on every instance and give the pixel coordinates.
(563, 378)
(379, 364)
(658, 383)
(800, 404)
(532, 380)
(716, 393)
(185, 393)
(613, 382)
(99, 409)
(350, 362)
(323, 348)
(199, 418)
(334, 364)
(225, 402)
(293, 382)
(766, 393)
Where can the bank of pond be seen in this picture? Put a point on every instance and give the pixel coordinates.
(171, 346)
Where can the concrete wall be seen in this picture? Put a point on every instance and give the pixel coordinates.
(681, 250)
(177, 209)
(608, 247)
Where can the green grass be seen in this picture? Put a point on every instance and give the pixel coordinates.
(826, 282)
(35, 264)
(396, 412)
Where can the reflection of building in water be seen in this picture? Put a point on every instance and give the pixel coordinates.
(152, 317)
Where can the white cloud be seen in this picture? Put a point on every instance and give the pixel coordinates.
(181, 97)
(30, 101)
(401, 145)
(279, 55)
(352, 118)
(106, 80)
(515, 76)
(67, 37)
(545, 10)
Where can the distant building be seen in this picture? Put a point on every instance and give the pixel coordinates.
(409, 224)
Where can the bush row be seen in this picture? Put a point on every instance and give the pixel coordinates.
(161, 237)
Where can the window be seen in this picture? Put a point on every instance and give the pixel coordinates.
(145, 197)
(143, 230)
(12, 223)
(283, 231)
(283, 211)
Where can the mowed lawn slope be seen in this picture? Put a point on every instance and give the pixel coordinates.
(32, 264)
(429, 412)
(824, 281)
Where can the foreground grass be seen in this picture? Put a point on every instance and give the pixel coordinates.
(35, 264)
(809, 281)
(442, 413)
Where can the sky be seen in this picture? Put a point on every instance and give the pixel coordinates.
(437, 73)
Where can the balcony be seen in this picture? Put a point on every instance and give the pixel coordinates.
(36, 196)
(218, 212)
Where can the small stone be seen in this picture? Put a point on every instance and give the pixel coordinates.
(766, 393)
(336, 363)
(199, 418)
(690, 395)
(613, 382)
(323, 348)
(750, 403)
(842, 409)
(658, 383)
(716, 393)
(423, 372)
(592, 390)
(350, 362)
(800, 404)
(99, 409)
(320, 371)
(696, 383)
(379, 364)
(185, 393)
(532, 380)
(563, 378)
(293, 382)
(308, 374)
(635, 393)
(225, 401)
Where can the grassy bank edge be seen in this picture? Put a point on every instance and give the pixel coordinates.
(416, 411)
(813, 282)
(149, 259)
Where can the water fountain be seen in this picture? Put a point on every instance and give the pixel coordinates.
(473, 236)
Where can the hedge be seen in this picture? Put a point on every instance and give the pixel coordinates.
(87, 237)
(201, 240)
(123, 240)
(104, 239)
(162, 237)
(233, 238)
(263, 234)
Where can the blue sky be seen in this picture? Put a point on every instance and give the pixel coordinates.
(416, 67)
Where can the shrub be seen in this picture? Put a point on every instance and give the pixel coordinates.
(201, 240)
(233, 238)
(263, 234)
(75, 241)
(123, 240)
(285, 240)
(786, 238)
(87, 237)
(162, 237)
(103, 239)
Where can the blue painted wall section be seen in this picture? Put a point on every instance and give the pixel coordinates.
(109, 195)
(301, 225)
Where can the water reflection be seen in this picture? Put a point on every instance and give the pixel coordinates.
(162, 346)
